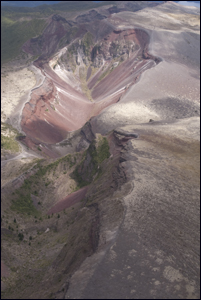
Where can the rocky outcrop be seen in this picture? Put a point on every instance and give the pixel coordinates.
(95, 227)
(91, 16)
(87, 132)
(48, 42)
(127, 6)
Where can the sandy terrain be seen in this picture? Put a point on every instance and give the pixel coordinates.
(4, 270)
(16, 86)
(164, 81)
(13, 86)
(151, 255)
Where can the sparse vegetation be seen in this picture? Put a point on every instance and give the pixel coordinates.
(9, 143)
(85, 89)
(22, 201)
(98, 151)
(104, 74)
(8, 138)
(87, 42)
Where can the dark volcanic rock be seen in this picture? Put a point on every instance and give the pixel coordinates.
(90, 17)
(95, 227)
(88, 132)
(48, 42)
(59, 18)
(115, 9)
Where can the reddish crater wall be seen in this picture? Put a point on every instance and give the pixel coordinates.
(51, 113)
(68, 201)
(127, 72)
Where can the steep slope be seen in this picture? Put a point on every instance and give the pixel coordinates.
(100, 67)
(38, 214)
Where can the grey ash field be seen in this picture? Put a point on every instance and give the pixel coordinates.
(100, 151)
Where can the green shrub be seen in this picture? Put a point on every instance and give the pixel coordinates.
(21, 236)
(24, 203)
(84, 175)
(87, 41)
(9, 143)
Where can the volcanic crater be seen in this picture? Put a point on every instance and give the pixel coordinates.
(81, 79)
